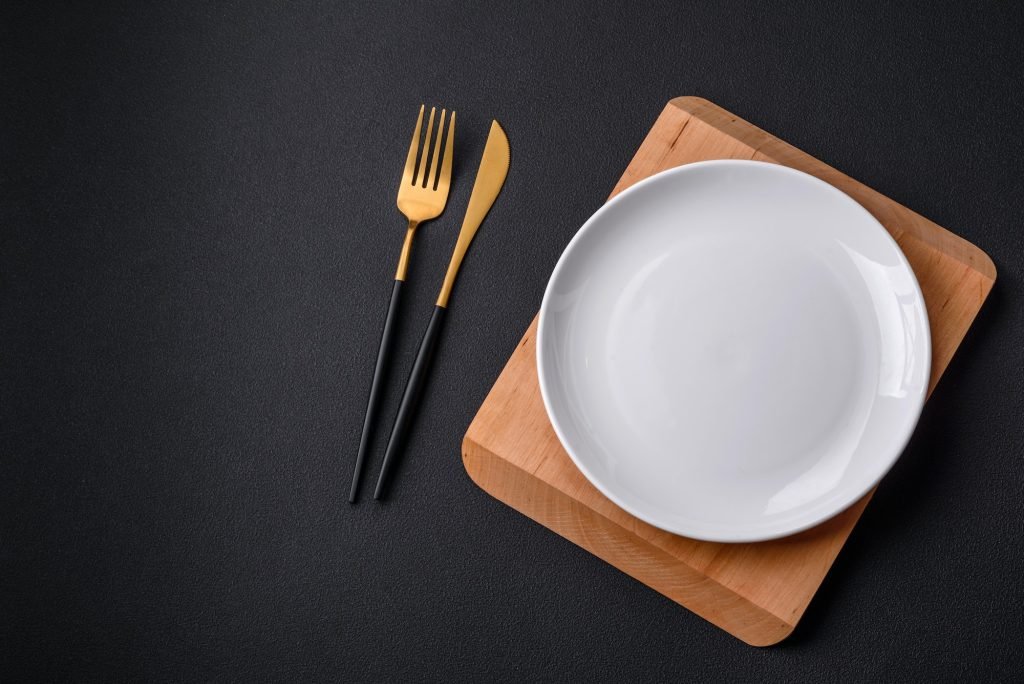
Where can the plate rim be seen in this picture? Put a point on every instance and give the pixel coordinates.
(899, 445)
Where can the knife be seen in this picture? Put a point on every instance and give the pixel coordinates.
(489, 179)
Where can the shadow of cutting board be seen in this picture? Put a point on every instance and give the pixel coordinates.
(756, 592)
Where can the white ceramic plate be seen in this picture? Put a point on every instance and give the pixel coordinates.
(733, 350)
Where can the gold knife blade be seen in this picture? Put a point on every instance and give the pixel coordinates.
(489, 179)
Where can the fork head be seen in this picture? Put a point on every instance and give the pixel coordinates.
(424, 189)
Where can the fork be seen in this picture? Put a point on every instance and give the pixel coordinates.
(421, 197)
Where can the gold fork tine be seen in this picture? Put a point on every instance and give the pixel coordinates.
(410, 160)
(435, 172)
(421, 175)
(445, 175)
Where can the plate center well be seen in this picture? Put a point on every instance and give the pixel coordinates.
(704, 329)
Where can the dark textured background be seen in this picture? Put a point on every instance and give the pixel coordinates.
(198, 240)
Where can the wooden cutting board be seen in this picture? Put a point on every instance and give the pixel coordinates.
(756, 592)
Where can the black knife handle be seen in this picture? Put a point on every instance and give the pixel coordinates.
(376, 387)
(413, 391)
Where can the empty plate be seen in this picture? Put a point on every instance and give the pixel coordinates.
(733, 350)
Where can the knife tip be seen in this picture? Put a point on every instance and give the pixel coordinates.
(498, 133)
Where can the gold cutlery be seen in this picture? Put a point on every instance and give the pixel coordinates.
(489, 179)
(421, 197)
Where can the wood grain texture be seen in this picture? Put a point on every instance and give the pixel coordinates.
(757, 592)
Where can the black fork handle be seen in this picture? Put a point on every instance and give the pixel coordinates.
(376, 387)
(410, 399)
